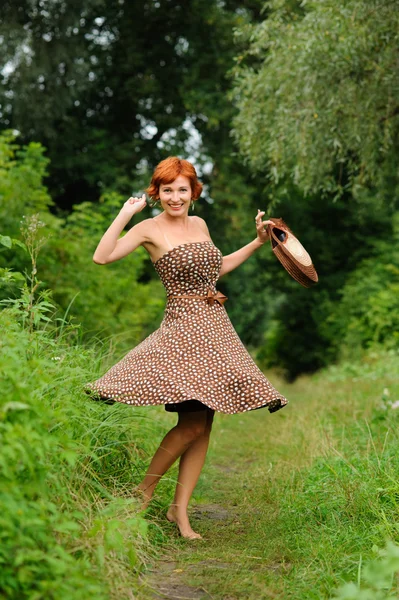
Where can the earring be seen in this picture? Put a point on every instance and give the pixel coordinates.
(154, 202)
(192, 204)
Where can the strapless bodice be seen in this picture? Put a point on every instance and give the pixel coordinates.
(191, 268)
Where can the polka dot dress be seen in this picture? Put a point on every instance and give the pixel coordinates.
(196, 352)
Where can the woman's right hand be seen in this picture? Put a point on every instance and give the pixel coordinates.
(133, 206)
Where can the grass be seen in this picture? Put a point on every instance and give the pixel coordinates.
(69, 526)
(299, 500)
(291, 505)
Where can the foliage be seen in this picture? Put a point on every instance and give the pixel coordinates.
(316, 91)
(69, 526)
(118, 299)
(108, 105)
(378, 578)
(22, 192)
(37, 464)
(323, 486)
(125, 305)
(111, 88)
(366, 315)
(308, 327)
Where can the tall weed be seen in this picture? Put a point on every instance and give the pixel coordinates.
(69, 526)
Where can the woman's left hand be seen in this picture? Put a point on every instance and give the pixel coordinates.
(262, 232)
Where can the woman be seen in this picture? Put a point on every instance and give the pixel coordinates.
(195, 363)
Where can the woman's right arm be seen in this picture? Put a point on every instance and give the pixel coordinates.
(110, 247)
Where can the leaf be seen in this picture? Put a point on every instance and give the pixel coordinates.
(6, 241)
(15, 406)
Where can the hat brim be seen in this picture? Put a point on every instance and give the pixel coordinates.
(291, 254)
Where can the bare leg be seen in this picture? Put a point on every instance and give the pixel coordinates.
(191, 463)
(189, 427)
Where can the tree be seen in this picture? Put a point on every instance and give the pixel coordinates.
(317, 92)
(109, 88)
(111, 300)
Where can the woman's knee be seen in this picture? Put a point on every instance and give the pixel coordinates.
(192, 429)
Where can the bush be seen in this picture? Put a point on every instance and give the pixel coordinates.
(367, 314)
(69, 526)
(120, 299)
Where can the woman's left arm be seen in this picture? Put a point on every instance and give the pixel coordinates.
(234, 260)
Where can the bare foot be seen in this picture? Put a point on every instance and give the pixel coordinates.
(181, 520)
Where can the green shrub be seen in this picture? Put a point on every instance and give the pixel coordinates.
(367, 315)
(376, 580)
(69, 526)
(120, 299)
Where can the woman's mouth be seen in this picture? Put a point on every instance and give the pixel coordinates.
(175, 206)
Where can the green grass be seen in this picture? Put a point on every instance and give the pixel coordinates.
(291, 505)
(305, 496)
(69, 527)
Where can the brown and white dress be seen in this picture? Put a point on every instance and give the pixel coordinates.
(196, 353)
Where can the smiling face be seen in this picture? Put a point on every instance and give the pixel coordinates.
(175, 197)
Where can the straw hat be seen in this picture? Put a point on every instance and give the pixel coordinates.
(291, 253)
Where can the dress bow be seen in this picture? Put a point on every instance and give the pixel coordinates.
(218, 296)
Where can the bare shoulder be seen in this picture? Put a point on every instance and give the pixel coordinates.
(151, 233)
(201, 223)
(145, 228)
(146, 223)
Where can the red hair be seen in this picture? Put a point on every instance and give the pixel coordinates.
(168, 170)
